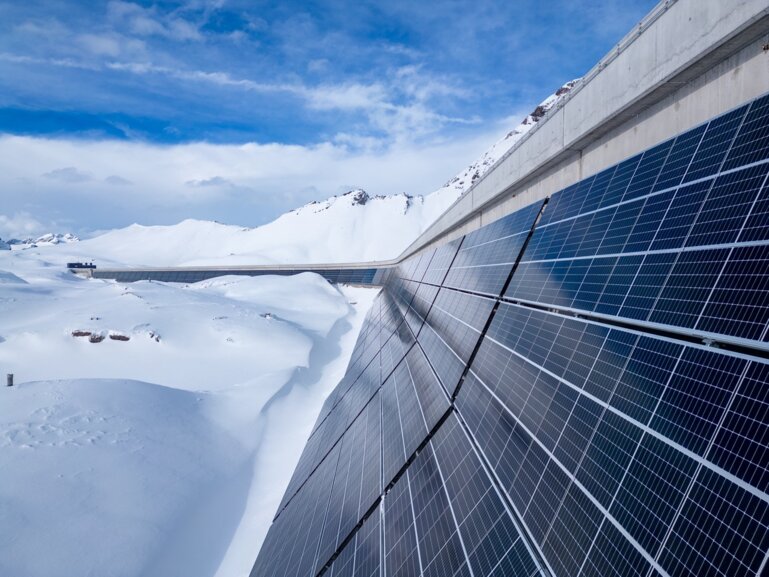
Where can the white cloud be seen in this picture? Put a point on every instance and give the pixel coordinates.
(116, 180)
(213, 181)
(135, 19)
(242, 184)
(69, 175)
(20, 225)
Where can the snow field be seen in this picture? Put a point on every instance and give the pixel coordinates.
(165, 454)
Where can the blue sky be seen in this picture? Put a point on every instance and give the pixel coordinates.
(259, 106)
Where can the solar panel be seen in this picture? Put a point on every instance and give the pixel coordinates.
(741, 446)
(401, 554)
(285, 552)
(412, 404)
(361, 557)
(356, 482)
(717, 512)
(752, 141)
(441, 262)
(493, 543)
(663, 285)
(443, 517)
(420, 306)
(628, 469)
(433, 401)
(329, 433)
(395, 349)
(403, 424)
(424, 263)
(452, 330)
(487, 255)
(414, 268)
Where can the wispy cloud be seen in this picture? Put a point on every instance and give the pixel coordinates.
(395, 107)
(21, 225)
(136, 19)
(116, 180)
(69, 175)
(212, 181)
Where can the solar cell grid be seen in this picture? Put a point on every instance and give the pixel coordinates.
(452, 331)
(592, 197)
(574, 528)
(344, 564)
(695, 397)
(440, 545)
(611, 449)
(722, 530)
(613, 556)
(756, 227)
(715, 143)
(623, 174)
(652, 491)
(739, 303)
(563, 202)
(405, 270)
(284, 553)
(742, 443)
(371, 466)
(401, 551)
(487, 255)
(423, 300)
(439, 265)
(368, 548)
(433, 402)
(340, 517)
(330, 431)
(491, 539)
(623, 218)
(752, 141)
(545, 501)
(447, 365)
(395, 349)
(424, 263)
(404, 426)
(647, 171)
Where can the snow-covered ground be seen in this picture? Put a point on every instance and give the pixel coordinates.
(165, 454)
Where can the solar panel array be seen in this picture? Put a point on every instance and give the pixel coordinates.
(347, 275)
(579, 388)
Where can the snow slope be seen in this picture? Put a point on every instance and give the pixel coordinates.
(354, 227)
(165, 454)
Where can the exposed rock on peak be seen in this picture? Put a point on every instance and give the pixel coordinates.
(359, 196)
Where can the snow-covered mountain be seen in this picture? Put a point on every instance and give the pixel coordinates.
(465, 179)
(49, 239)
(353, 227)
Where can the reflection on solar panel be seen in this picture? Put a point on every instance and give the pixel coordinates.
(580, 388)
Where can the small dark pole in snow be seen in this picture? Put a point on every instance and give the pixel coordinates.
(10, 379)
